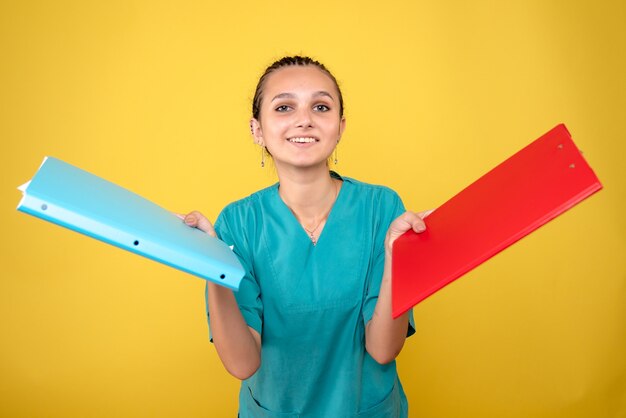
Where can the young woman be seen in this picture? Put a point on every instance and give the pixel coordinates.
(310, 332)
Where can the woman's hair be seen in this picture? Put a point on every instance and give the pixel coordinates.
(288, 62)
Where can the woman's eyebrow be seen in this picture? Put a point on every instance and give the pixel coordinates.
(293, 96)
(284, 96)
(323, 93)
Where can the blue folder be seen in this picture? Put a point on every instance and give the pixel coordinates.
(73, 198)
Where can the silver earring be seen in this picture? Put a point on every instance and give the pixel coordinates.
(262, 156)
(335, 160)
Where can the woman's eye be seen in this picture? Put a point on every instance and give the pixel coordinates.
(282, 108)
(322, 108)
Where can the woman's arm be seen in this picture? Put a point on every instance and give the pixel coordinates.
(384, 336)
(237, 344)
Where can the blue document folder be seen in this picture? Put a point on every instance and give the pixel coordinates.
(73, 198)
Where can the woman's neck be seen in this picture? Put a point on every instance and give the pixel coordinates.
(308, 193)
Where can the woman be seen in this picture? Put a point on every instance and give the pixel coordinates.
(310, 332)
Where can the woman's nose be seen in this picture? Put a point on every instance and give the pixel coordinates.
(304, 119)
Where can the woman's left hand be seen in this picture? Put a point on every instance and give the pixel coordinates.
(408, 220)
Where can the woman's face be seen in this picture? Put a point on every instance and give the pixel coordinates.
(299, 120)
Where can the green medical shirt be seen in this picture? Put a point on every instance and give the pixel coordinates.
(310, 304)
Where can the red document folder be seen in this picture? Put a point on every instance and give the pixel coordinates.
(538, 183)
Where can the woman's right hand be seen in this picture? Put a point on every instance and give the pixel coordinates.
(196, 219)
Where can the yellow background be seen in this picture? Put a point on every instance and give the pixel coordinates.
(155, 96)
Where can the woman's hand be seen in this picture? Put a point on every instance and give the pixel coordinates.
(408, 220)
(195, 219)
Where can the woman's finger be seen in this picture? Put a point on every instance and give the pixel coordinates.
(197, 220)
(425, 213)
(417, 222)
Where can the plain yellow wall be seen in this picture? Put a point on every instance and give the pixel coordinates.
(155, 96)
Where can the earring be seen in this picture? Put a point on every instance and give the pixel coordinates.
(262, 156)
(335, 160)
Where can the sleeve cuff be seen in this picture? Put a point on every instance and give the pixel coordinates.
(368, 312)
(253, 320)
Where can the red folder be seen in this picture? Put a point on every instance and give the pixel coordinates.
(538, 183)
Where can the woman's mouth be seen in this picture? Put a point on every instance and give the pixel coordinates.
(302, 140)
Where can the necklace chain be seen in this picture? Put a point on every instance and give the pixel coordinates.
(311, 232)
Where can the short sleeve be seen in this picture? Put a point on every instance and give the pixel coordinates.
(390, 207)
(248, 296)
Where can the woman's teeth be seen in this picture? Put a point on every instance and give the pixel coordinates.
(300, 140)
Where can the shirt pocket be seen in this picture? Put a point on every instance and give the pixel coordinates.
(389, 407)
(253, 409)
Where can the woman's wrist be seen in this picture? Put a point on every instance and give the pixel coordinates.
(388, 250)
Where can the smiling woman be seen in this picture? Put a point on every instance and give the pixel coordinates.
(301, 102)
(302, 123)
(310, 331)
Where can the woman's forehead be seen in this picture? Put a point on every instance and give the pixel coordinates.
(299, 79)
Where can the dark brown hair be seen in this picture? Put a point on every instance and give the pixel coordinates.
(287, 62)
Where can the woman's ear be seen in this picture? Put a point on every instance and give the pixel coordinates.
(342, 127)
(256, 132)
